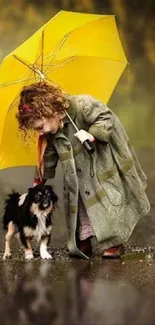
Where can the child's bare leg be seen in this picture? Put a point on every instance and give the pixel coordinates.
(8, 236)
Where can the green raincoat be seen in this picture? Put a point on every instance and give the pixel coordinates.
(114, 197)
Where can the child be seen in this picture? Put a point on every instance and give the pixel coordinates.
(104, 192)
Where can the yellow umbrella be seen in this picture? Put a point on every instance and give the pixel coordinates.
(80, 52)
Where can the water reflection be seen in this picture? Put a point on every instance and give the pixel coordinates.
(25, 296)
(83, 293)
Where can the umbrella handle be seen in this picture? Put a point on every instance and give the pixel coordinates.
(89, 146)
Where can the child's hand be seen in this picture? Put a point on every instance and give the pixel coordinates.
(83, 135)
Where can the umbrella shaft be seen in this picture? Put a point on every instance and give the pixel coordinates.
(71, 120)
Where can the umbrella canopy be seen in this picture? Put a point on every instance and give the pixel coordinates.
(80, 52)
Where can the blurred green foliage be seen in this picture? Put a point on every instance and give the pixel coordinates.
(134, 97)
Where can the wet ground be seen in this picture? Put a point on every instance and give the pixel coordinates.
(70, 291)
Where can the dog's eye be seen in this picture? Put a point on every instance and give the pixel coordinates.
(38, 196)
(48, 193)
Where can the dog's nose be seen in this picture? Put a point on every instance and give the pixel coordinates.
(45, 199)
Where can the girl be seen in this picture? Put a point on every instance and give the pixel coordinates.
(104, 192)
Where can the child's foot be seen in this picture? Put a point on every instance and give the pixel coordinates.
(113, 252)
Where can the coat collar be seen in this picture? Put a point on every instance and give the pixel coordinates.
(72, 109)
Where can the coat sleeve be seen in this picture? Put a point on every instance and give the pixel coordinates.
(50, 160)
(98, 116)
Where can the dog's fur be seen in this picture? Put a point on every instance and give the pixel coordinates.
(32, 219)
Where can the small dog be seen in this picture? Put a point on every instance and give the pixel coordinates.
(32, 219)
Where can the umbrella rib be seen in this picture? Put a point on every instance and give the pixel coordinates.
(14, 102)
(76, 57)
(53, 83)
(23, 62)
(61, 64)
(57, 49)
(31, 67)
(42, 52)
(15, 82)
(76, 28)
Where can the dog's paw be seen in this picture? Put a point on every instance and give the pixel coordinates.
(6, 256)
(29, 256)
(45, 255)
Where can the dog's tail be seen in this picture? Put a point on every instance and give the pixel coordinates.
(10, 209)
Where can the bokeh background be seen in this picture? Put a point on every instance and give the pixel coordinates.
(133, 99)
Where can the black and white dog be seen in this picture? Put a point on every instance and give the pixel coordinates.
(32, 219)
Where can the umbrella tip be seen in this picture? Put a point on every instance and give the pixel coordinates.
(41, 74)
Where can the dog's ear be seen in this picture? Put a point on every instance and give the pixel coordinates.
(30, 189)
(54, 197)
(53, 194)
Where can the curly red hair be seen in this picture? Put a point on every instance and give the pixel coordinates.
(39, 100)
